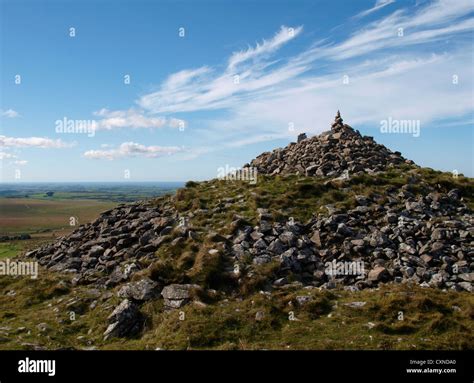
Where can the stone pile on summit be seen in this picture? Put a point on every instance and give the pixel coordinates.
(332, 153)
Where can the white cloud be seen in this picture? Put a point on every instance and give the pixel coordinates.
(20, 162)
(33, 142)
(434, 22)
(10, 113)
(405, 89)
(184, 77)
(259, 76)
(132, 149)
(405, 76)
(284, 35)
(204, 88)
(378, 5)
(132, 118)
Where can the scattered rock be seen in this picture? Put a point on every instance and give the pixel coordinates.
(125, 320)
(176, 296)
(259, 316)
(142, 290)
(377, 274)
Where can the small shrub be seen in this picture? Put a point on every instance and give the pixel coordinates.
(191, 184)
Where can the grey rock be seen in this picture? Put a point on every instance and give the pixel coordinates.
(125, 320)
(466, 286)
(142, 290)
(277, 247)
(280, 282)
(262, 259)
(176, 296)
(378, 274)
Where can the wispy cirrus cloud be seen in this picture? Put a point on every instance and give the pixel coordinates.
(132, 149)
(394, 65)
(284, 35)
(205, 89)
(403, 29)
(379, 4)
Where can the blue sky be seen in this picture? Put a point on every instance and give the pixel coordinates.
(246, 77)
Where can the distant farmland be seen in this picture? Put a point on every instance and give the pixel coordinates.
(44, 210)
(44, 220)
(30, 215)
(103, 191)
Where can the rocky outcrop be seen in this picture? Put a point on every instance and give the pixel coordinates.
(337, 152)
(109, 250)
(426, 240)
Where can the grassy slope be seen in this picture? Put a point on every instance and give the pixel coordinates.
(432, 319)
(303, 197)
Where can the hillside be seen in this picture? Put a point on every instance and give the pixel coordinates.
(340, 243)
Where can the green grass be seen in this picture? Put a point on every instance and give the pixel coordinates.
(432, 319)
(9, 249)
(305, 197)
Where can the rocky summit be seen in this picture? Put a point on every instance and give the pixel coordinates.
(302, 225)
(336, 152)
